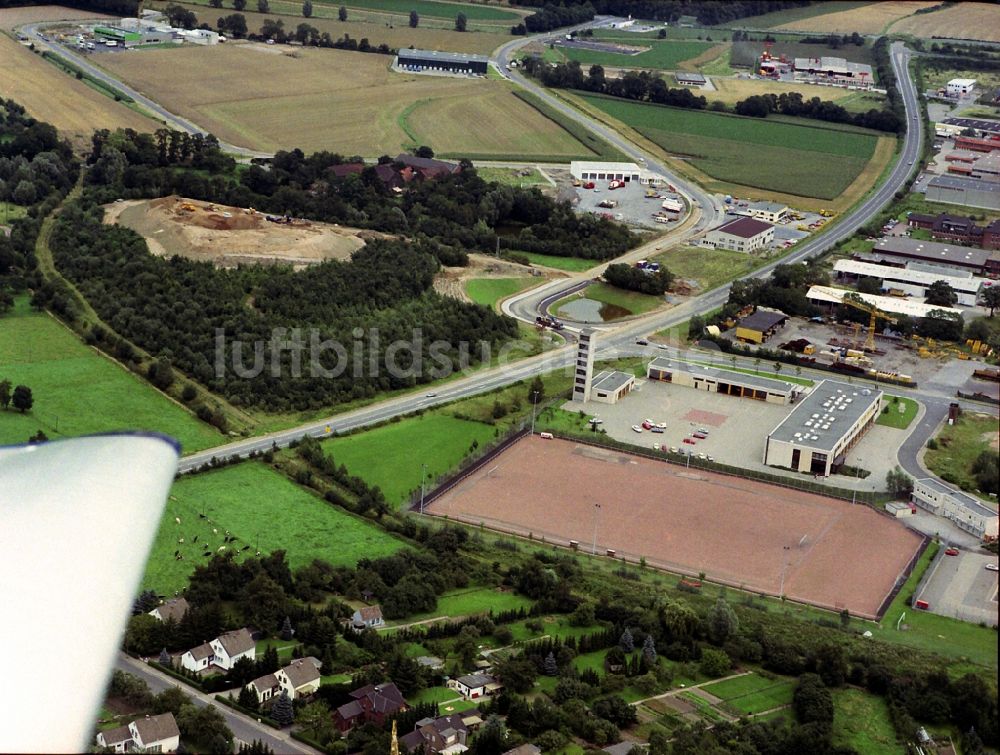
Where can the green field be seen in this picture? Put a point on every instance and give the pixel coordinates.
(958, 447)
(391, 456)
(569, 264)
(471, 601)
(894, 417)
(707, 268)
(262, 509)
(431, 9)
(803, 159)
(432, 695)
(752, 693)
(77, 391)
(662, 55)
(861, 721)
(513, 176)
(790, 15)
(620, 303)
(489, 291)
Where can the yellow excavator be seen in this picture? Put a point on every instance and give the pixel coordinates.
(855, 301)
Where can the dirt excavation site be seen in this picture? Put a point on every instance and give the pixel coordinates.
(230, 236)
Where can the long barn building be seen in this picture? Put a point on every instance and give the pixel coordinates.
(450, 62)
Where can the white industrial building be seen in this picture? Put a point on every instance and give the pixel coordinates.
(893, 305)
(716, 380)
(822, 429)
(835, 70)
(960, 87)
(740, 235)
(769, 212)
(911, 282)
(966, 511)
(584, 170)
(200, 36)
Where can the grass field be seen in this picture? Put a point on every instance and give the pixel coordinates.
(391, 456)
(51, 95)
(894, 417)
(264, 510)
(512, 176)
(570, 264)
(753, 693)
(665, 55)
(432, 695)
(347, 102)
(489, 291)
(839, 17)
(77, 391)
(477, 600)
(958, 447)
(962, 21)
(861, 722)
(731, 91)
(431, 9)
(707, 268)
(779, 156)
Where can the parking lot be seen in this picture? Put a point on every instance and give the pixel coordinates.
(961, 587)
(631, 204)
(737, 429)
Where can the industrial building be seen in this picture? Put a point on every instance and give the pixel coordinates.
(200, 36)
(818, 434)
(960, 87)
(970, 192)
(901, 281)
(950, 228)
(594, 171)
(760, 325)
(982, 125)
(946, 256)
(769, 212)
(966, 511)
(740, 235)
(987, 167)
(975, 144)
(133, 37)
(690, 79)
(893, 305)
(449, 62)
(836, 70)
(722, 381)
(584, 371)
(608, 386)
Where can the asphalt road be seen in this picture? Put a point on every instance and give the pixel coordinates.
(244, 728)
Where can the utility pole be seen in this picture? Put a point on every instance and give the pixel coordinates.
(423, 477)
(597, 511)
(534, 405)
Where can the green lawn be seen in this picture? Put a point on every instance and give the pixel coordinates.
(593, 661)
(708, 268)
(512, 176)
(391, 456)
(261, 508)
(958, 447)
(470, 602)
(10, 211)
(433, 695)
(284, 648)
(662, 55)
(802, 158)
(431, 9)
(570, 264)
(901, 412)
(553, 626)
(622, 303)
(77, 391)
(335, 679)
(861, 721)
(489, 291)
(753, 693)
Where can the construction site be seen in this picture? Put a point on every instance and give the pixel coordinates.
(231, 236)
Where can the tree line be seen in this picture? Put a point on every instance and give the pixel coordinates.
(707, 12)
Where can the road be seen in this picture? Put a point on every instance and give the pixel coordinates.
(244, 728)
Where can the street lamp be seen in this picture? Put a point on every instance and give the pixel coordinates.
(597, 511)
(423, 477)
(534, 405)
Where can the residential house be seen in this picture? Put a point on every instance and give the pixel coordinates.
(117, 739)
(372, 703)
(346, 169)
(390, 177)
(265, 687)
(173, 609)
(156, 733)
(475, 685)
(368, 617)
(231, 646)
(199, 658)
(525, 749)
(446, 735)
(428, 168)
(300, 678)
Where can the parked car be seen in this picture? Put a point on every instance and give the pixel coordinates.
(674, 450)
(951, 552)
(662, 425)
(647, 425)
(656, 429)
(637, 428)
(993, 567)
(642, 342)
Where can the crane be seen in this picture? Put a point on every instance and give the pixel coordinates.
(855, 301)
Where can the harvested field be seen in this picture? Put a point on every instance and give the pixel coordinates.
(377, 32)
(230, 236)
(751, 535)
(347, 102)
(731, 91)
(13, 17)
(960, 21)
(872, 18)
(53, 96)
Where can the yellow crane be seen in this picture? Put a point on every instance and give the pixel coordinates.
(855, 301)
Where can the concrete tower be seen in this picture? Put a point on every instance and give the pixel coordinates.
(584, 371)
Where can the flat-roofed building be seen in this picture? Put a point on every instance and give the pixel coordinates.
(690, 79)
(761, 325)
(987, 167)
(966, 511)
(822, 429)
(910, 282)
(934, 253)
(740, 235)
(769, 212)
(837, 70)
(960, 87)
(722, 381)
(450, 62)
(585, 170)
(610, 385)
(894, 305)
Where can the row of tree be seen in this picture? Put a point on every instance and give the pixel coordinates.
(792, 103)
(633, 279)
(707, 12)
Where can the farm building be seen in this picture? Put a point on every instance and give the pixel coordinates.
(819, 433)
(966, 511)
(960, 87)
(722, 381)
(690, 79)
(610, 385)
(760, 325)
(451, 62)
(769, 212)
(582, 380)
(946, 256)
(836, 70)
(970, 192)
(740, 235)
(909, 282)
(591, 171)
(426, 167)
(893, 305)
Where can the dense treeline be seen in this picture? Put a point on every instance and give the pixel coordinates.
(708, 12)
(634, 279)
(450, 215)
(792, 103)
(554, 17)
(114, 7)
(887, 79)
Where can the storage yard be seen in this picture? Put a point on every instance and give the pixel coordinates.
(747, 534)
(229, 236)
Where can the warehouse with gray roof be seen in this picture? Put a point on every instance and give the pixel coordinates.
(714, 380)
(969, 192)
(436, 61)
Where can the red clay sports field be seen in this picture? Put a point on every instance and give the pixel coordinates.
(760, 537)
